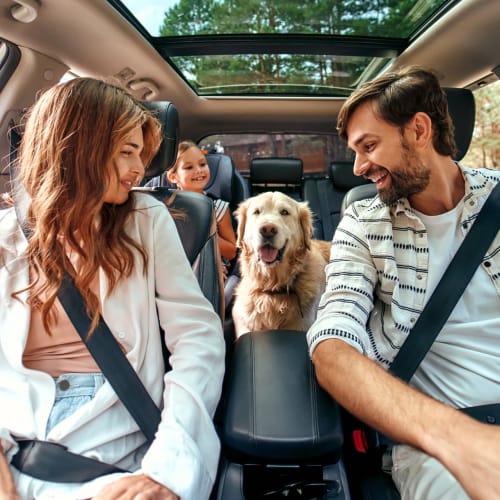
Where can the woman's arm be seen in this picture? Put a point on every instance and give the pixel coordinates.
(130, 487)
(7, 486)
(226, 237)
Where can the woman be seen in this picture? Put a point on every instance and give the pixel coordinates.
(85, 146)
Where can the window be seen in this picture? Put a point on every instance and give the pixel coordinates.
(315, 150)
(325, 47)
(484, 150)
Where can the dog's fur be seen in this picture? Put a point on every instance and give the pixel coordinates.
(282, 268)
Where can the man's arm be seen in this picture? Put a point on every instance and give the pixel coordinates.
(470, 450)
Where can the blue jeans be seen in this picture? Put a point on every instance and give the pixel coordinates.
(72, 391)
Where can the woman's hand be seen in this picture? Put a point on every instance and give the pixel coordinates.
(136, 487)
(10, 495)
(7, 487)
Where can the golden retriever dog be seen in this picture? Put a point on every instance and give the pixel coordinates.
(282, 268)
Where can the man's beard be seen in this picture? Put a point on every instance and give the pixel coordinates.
(411, 177)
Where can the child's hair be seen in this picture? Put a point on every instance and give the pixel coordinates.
(183, 146)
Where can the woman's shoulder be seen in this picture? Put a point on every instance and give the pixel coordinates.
(147, 206)
(8, 218)
(11, 235)
(144, 201)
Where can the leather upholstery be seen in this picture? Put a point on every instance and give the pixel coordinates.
(462, 108)
(196, 224)
(276, 173)
(342, 175)
(279, 428)
(276, 411)
(325, 196)
(198, 232)
(167, 113)
(225, 181)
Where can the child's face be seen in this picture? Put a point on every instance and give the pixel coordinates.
(192, 173)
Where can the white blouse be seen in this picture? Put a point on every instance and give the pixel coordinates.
(184, 454)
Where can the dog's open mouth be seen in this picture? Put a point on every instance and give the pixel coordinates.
(269, 254)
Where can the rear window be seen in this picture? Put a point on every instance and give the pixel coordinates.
(317, 151)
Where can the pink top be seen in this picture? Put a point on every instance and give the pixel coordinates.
(61, 352)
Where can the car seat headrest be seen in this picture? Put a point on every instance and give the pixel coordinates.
(276, 170)
(462, 109)
(342, 175)
(167, 113)
(222, 172)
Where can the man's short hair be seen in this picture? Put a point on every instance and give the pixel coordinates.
(399, 95)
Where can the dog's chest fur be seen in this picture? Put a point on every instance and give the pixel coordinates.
(283, 297)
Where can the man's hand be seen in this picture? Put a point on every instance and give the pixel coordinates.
(135, 487)
(474, 458)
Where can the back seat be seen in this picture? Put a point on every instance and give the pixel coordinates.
(225, 180)
(325, 196)
(277, 174)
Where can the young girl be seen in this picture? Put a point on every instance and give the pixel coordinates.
(191, 173)
(85, 146)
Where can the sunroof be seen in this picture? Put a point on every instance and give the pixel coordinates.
(287, 74)
(287, 47)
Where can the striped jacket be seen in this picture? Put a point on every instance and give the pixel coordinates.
(377, 275)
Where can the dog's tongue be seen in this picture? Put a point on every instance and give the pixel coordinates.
(268, 253)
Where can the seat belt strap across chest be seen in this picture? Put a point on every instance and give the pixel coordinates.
(450, 288)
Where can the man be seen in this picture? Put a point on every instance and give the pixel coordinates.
(389, 253)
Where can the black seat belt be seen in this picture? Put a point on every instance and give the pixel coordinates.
(446, 295)
(441, 304)
(449, 289)
(111, 360)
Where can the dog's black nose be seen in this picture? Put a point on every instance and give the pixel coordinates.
(268, 230)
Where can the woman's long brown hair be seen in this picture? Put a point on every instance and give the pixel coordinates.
(65, 164)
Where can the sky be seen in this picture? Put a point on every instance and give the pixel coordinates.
(150, 13)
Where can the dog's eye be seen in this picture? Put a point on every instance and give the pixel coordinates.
(284, 212)
(256, 211)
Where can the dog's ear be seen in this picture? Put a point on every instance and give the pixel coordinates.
(305, 217)
(241, 216)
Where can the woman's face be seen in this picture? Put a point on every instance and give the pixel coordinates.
(129, 166)
(192, 173)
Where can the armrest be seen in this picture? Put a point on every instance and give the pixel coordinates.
(275, 410)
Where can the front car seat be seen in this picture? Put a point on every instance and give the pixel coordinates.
(197, 226)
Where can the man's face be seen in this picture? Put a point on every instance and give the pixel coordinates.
(385, 155)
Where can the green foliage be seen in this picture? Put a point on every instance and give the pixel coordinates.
(254, 73)
(395, 18)
(484, 150)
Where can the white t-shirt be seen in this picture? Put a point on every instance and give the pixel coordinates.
(463, 366)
